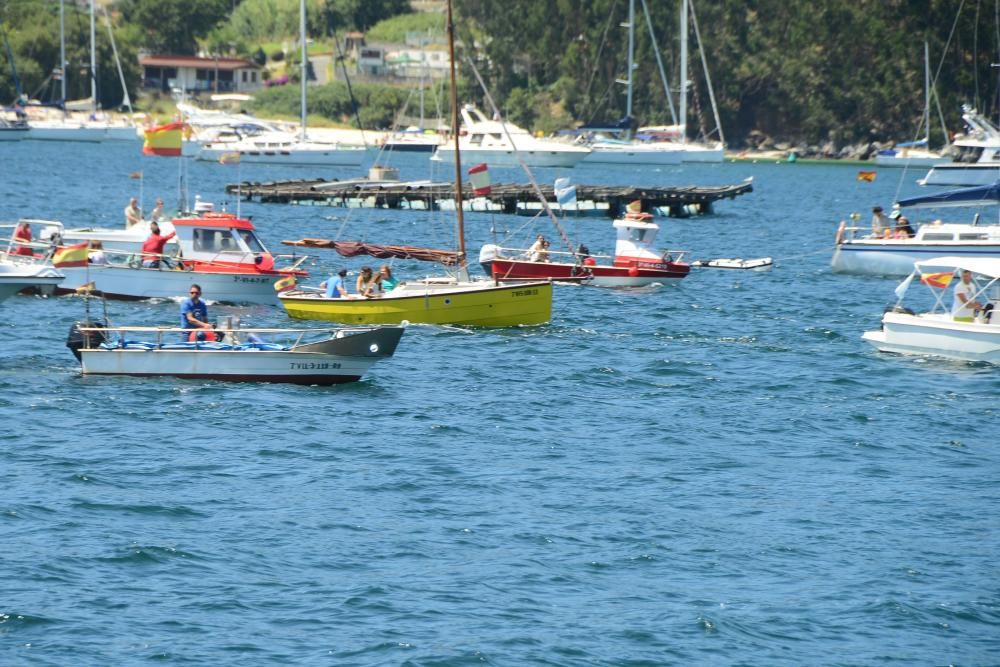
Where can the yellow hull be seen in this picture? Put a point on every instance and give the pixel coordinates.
(486, 305)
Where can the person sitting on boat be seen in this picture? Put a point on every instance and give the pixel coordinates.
(367, 284)
(903, 229)
(156, 215)
(194, 316)
(152, 248)
(95, 253)
(133, 214)
(336, 286)
(964, 306)
(386, 281)
(583, 252)
(23, 234)
(538, 251)
(880, 223)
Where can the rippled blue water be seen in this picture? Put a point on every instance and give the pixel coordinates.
(717, 473)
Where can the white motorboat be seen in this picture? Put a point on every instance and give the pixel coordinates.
(978, 162)
(938, 332)
(857, 250)
(500, 144)
(607, 150)
(218, 250)
(17, 275)
(299, 356)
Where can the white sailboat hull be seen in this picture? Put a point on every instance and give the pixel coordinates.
(890, 257)
(633, 154)
(503, 157)
(293, 154)
(955, 173)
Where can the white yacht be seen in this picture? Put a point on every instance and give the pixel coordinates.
(978, 162)
(500, 143)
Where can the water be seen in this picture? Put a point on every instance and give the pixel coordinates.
(720, 472)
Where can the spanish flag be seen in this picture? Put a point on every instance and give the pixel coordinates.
(868, 176)
(940, 280)
(233, 157)
(285, 284)
(70, 255)
(164, 140)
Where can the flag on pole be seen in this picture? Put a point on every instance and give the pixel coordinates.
(285, 284)
(868, 176)
(70, 255)
(164, 140)
(903, 286)
(940, 280)
(232, 157)
(479, 176)
(565, 193)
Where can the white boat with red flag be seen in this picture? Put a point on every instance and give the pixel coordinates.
(218, 250)
(634, 264)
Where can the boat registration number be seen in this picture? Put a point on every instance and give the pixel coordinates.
(313, 365)
(525, 292)
(245, 279)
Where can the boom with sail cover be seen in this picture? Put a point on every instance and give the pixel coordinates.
(980, 195)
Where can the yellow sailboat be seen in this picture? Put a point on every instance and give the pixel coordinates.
(453, 299)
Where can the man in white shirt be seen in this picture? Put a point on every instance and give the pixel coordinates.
(963, 306)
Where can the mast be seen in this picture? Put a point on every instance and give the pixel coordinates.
(684, 70)
(302, 39)
(631, 58)
(93, 60)
(927, 94)
(62, 50)
(459, 214)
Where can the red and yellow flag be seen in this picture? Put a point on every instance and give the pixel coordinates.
(940, 280)
(70, 255)
(164, 140)
(868, 176)
(285, 284)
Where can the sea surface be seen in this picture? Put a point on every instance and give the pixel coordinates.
(719, 472)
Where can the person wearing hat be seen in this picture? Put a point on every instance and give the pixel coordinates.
(336, 286)
(880, 223)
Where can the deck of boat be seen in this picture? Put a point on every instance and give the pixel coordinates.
(503, 197)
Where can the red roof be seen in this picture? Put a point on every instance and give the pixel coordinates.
(195, 61)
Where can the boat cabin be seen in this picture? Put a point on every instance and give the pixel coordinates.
(219, 239)
(636, 235)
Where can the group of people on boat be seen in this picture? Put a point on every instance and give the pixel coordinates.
(133, 214)
(369, 285)
(884, 228)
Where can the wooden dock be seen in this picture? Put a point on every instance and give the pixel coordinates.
(503, 197)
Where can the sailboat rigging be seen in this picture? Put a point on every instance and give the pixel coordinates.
(452, 299)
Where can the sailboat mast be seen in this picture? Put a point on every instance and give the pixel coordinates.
(459, 214)
(302, 39)
(684, 71)
(631, 58)
(93, 60)
(927, 94)
(62, 50)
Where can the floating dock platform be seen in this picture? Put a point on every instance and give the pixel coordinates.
(503, 197)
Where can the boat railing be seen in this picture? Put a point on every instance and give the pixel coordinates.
(232, 335)
(571, 257)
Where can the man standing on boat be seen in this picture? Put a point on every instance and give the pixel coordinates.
(133, 214)
(152, 248)
(194, 316)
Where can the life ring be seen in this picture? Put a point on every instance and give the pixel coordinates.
(840, 233)
(206, 336)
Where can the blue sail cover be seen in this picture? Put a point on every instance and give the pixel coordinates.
(980, 195)
(622, 125)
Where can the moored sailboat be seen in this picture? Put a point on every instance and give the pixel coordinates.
(451, 299)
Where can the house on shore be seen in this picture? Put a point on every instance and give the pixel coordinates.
(195, 74)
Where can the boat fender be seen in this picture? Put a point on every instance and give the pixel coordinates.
(264, 262)
(201, 335)
(840, 232)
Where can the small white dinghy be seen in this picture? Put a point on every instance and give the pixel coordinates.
(734, 263)
(298, 356)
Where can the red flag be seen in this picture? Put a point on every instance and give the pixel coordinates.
(164, 140)
(479, 176)
(868, 176)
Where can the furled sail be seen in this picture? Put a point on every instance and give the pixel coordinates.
(355, 248)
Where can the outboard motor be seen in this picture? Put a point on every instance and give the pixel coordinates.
(78, 340)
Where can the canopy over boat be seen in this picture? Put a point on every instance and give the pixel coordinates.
(355, 248)
(979, 195)
(984, 266)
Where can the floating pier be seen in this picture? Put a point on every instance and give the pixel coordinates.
(503, 197)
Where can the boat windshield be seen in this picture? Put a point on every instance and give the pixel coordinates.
(215, 240)
(252, 242)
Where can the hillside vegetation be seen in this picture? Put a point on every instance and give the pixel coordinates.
(837, 71)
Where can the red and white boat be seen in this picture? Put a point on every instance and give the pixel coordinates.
(218, 250)
(634, 264)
